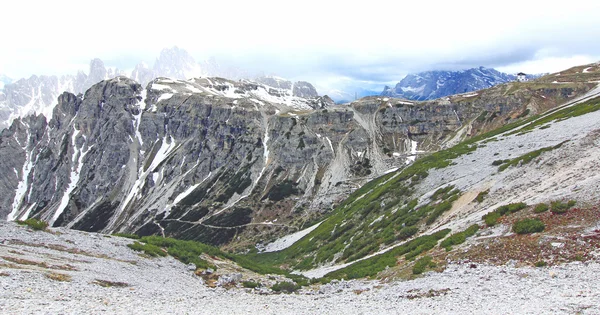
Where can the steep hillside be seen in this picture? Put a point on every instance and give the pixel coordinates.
(550, 158)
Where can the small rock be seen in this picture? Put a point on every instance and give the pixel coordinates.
(191, 267)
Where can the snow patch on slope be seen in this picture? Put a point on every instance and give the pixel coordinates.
(77, 164)
(289, 240)
(23, 183)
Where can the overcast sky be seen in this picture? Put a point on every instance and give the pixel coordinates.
(330, 43)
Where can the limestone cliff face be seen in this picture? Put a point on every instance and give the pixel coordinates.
(210, 159)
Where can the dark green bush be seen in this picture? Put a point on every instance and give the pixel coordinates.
(422, 264)
(285, 286)
(527, 226)
(482, 195)
(407, 232)
(499, 162)
(148, 249)
(35, 224)
(250, 284)
(454, 239)
(559, 207)
(541, 207)
(471, 230)
(460, 237)
(491, 218)
(541, 263)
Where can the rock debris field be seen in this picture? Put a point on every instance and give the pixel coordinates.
(70, 272)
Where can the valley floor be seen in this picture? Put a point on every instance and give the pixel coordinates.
(70, 272)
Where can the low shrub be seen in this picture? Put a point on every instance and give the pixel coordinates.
(511, 208)
(559, 207)
(491, 218)
(454, 239)
(460, 237)
(250, 284)
(35, 224)
(407, 232)
(541, 207)
(499, 162)
(471, 230)
(422, 264)
(482, 195)
(527, 226)
(285, 286)
(541, 263)
(148, 249)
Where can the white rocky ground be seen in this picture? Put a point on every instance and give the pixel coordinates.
(166, 286)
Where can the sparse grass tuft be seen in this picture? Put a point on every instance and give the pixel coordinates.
(109, 284)
(58, 277)
(35, 224)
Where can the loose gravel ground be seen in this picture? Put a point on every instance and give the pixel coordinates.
(165, 286)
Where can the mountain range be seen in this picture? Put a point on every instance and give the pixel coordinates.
(38, 94)
(430, 85)
(225, 161)
(262, 187)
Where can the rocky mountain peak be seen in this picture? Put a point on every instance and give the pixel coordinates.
(176, 63)
(435, 84)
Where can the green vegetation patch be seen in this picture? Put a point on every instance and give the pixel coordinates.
(459, 238)
(559, 207)
(492, 218)
(541, 263)
(482, 195)
(527, 226)
(372, 266)
(35, 224)
(561, 114)
(541, 207)
(250, 284)
(422, 264)
(286, 287)
(528, 157)
(148, 249)
(190, 251)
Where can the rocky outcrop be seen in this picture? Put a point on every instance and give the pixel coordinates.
(300, 89)
(38, 94)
